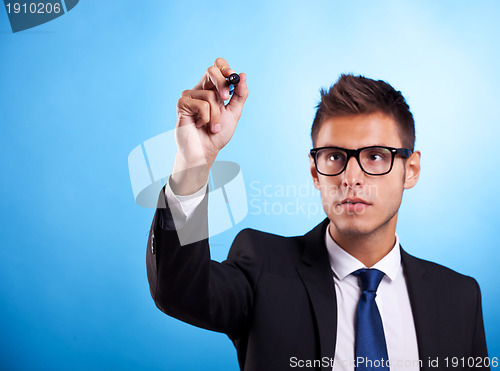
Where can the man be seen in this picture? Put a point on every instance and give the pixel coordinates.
(309, 301)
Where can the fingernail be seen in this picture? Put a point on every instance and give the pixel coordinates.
(216, 128)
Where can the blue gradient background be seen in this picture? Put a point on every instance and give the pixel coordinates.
(79, 93)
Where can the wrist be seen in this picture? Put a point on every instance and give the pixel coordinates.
(189, 176)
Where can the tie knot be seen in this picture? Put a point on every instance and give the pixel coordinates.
(370, 278)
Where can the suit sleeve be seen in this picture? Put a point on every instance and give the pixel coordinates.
(479, 348)
(186, 284)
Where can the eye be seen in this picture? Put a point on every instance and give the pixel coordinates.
(335, 156)
(376, 154)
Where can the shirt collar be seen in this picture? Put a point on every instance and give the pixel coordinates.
(343, 263)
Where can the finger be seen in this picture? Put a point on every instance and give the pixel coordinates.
(198, 110)
(239, 97)
(215, 104)
(223, 66)
(213, 79)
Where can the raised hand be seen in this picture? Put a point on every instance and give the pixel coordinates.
(205, 125)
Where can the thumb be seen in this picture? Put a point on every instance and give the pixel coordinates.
(239, 97)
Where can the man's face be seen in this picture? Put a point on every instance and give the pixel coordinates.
(378, 197)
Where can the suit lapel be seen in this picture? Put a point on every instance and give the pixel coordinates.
(424, 296)
(316, 274)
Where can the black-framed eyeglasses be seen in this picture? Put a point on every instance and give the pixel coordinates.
(373, 160)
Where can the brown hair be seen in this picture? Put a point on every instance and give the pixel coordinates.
(354, 95)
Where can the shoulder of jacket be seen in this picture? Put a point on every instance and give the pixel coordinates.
(440, 272)
(254, 233)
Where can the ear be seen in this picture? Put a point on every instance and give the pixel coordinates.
(412, 167)
(314, 173)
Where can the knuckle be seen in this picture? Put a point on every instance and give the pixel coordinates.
(212, 96)
(205, 116)
(185, 93)
(211, 70)
(205, 106)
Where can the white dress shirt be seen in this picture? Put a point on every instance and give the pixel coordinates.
(182, 207)
(392, 295)
(392, 301)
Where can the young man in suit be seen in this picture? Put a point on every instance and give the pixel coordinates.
(309, 301)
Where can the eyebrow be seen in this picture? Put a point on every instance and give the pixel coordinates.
(370, 145)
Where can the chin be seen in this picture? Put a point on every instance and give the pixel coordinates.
(352, 228)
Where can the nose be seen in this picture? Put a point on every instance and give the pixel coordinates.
(353, 175)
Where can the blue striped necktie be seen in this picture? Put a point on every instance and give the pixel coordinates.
(370, 346)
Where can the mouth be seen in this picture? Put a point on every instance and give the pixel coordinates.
(354, 201)
(356, 205)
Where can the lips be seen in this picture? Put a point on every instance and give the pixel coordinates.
(354, 206)
(354, 201)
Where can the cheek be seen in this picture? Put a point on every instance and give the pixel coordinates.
(392, 184)
(390, 193)
(330, 188)
(383, 192)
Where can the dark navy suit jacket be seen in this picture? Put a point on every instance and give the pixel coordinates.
(274, 296)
